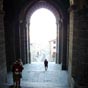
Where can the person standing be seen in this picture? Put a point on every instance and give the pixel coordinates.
(21, 63)
(17, 69)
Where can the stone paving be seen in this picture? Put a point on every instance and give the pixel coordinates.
(35, 76)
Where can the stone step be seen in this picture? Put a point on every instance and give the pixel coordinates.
(43, 84)
(36, 85)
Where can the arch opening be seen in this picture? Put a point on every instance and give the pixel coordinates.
(42, 36)
(25, 52)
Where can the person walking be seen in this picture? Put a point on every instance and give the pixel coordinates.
(46, 64)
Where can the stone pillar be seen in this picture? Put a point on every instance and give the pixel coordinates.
(3, 69)
(25, 42)
(70, 47)
(64, 43)
(57, 43)
(28, 43)
(22, 40)
(16, 39)
(60, 41)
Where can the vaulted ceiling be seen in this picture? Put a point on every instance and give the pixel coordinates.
(12, 8)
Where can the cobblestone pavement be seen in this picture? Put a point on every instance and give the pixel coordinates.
(35, 76)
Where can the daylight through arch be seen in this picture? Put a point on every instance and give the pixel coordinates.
(42, 35)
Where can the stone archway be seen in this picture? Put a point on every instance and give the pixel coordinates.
(49, 7)
(24, 30)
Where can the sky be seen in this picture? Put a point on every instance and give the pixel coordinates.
(42, 26)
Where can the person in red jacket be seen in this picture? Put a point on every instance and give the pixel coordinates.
(17, 69)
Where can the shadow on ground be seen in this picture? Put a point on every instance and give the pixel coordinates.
(12, 86)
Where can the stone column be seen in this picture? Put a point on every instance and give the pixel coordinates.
(25, 42)
(3, 69)
(29, 45)
(28, 42)
(60, 41)
(57, 43)
(70, 47)
(22, 40)
(64, 43)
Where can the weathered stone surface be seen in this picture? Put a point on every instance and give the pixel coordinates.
(2, 52)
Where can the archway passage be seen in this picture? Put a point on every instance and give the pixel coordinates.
(61, 43)
(15, 44)
(35, 76)
(23, 32)
(43, 36)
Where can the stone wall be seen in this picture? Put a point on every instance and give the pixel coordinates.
(2, 50)
(78, 52)
(80, 48)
